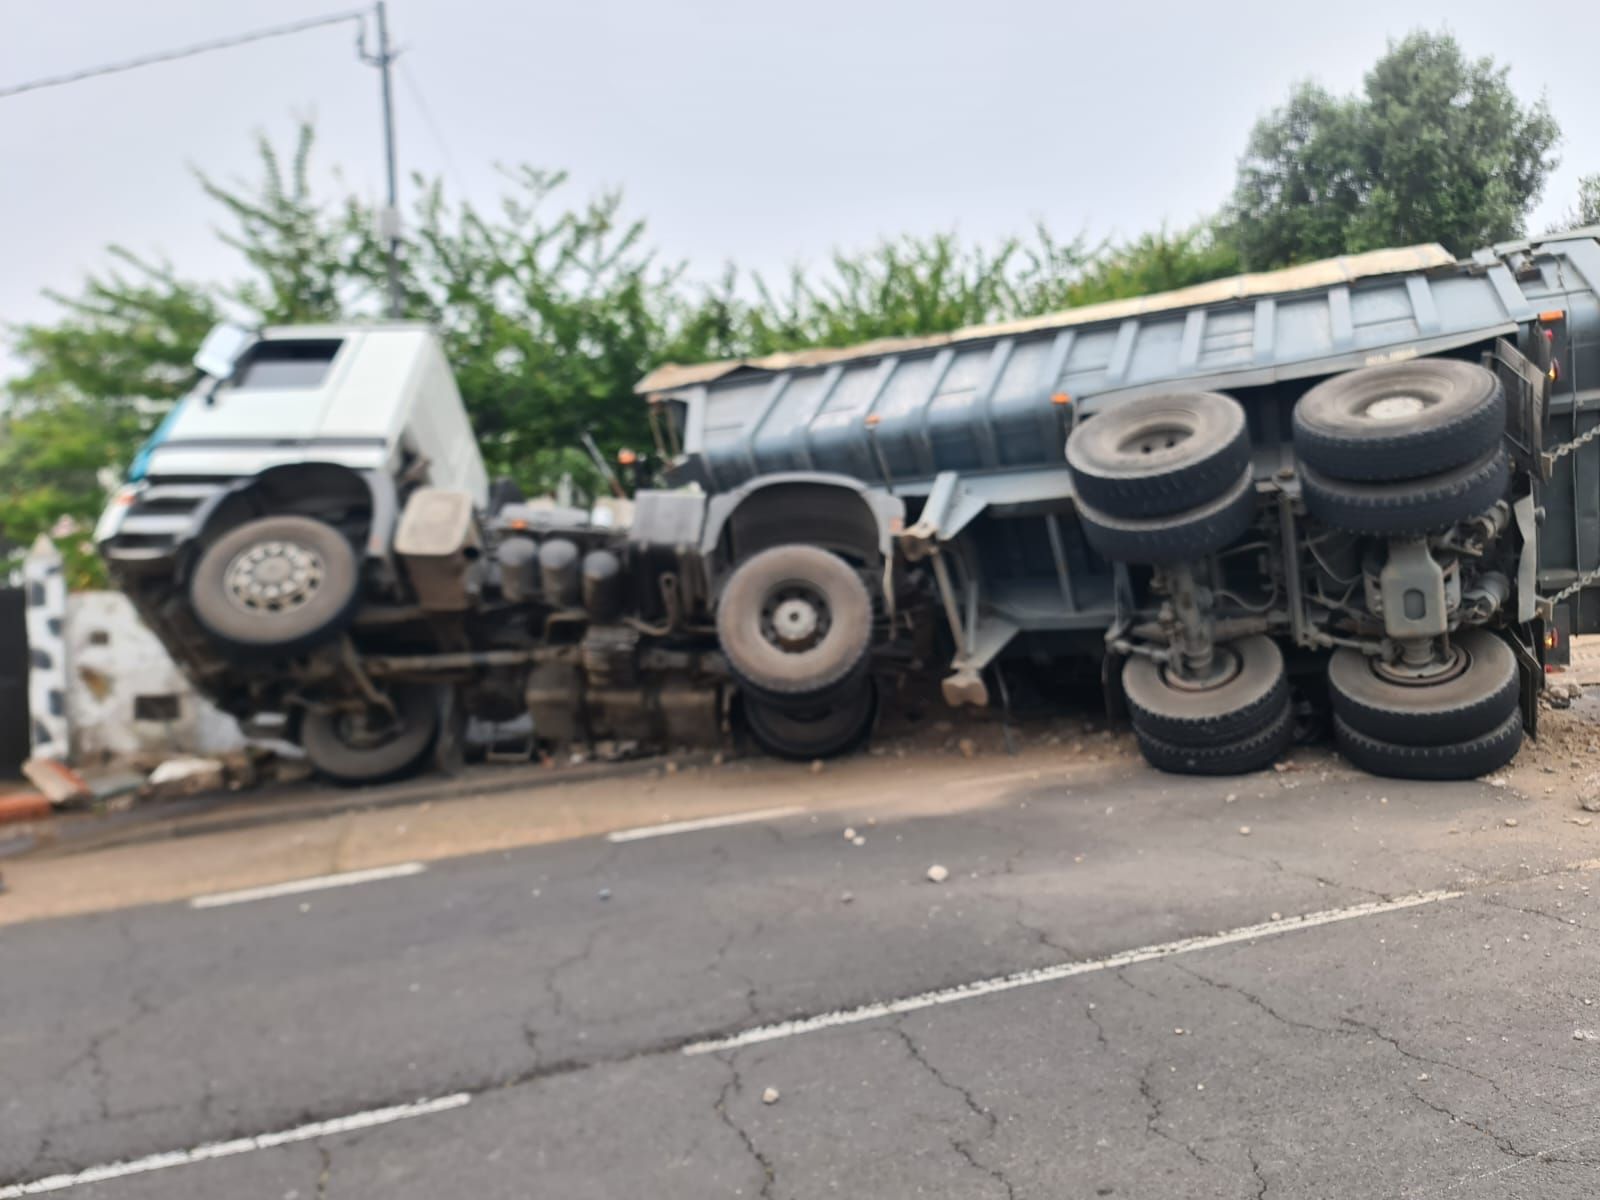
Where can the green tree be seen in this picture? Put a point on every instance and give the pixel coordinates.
(1436, 147)
(1162, 261)
(98, 380)
(550, 310)
(1587, 209)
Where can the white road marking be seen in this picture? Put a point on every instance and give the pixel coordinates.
(1020, 979)
(316, 884)
(744, 818)
(244, 1145)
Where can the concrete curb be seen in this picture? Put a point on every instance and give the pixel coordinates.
(23, 806)
(210, 813)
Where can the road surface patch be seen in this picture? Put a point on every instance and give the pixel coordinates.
(244, 1145)
(640, 833)
(316, 883)
(1019, 979)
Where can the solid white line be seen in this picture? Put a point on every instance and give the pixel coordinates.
(316, 884)
(1005, 983)
(244, 1145)
(653, 831)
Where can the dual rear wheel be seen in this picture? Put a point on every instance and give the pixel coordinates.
(795, 624)
(1460, 719)
(1235, 720)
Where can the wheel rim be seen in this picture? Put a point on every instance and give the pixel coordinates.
(1428, 675)
(367, 729)
(1225, 667)
(795, 617)
(273, 577)
(1399, 406)
(1154, 438)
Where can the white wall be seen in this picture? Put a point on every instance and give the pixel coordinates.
(49, 688)
(114, 663)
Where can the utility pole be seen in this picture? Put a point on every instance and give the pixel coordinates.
(389, 219)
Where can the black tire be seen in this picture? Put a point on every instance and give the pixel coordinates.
(1400, 421)
(337, 756)
(1159, 455)
(276, 585)
(823, 732)
(1411, 507)
(1242, 705)
(1455, 760)
(827, 661)
(1255, 752)
(1469, 705)
(1181, 537)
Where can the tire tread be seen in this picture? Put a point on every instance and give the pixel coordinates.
(1468, 759)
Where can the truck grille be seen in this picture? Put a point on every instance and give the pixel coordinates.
(159, 517)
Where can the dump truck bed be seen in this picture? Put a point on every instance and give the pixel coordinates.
(989, 398)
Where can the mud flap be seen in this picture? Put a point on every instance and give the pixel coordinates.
(1525, 640)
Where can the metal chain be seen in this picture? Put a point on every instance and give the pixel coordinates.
(1577, 443)
(1588, 577)
(1573, 588)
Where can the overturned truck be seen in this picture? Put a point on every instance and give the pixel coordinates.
(1369, 479)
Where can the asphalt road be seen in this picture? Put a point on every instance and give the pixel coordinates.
(551, 1007)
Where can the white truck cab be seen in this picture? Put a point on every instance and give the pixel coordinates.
(375, 399)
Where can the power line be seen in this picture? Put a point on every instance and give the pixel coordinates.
(259, 35)
(408, 77)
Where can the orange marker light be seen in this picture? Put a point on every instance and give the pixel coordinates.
(1061, 398)
(1553, 315)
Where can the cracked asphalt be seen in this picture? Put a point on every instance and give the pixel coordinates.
(1446, 1050)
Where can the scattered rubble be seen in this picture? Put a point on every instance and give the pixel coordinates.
(185, 776)
(770, 1096)
(938, 874)
(1561, 695)
(59, 783)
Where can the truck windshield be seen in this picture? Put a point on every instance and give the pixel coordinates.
(279, 365)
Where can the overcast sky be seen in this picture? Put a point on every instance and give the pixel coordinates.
(764, 133)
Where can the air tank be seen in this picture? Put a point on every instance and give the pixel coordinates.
(519, 569)
(558, 572)
(602, 585)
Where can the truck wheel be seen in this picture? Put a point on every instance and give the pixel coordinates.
(1407, 508)
(1255, 752)
(1159, 455)
(1251, 691)
(825, 731)
(354, 748)
(1466, 759)
(1179, 537)
(279, 584)
(795, 623)
(1469, 700)
(1400, 421)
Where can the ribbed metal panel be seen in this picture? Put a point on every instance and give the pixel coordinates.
(986, 403)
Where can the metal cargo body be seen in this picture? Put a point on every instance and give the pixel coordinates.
(974, 421)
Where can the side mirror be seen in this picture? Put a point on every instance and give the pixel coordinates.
(224, 346)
